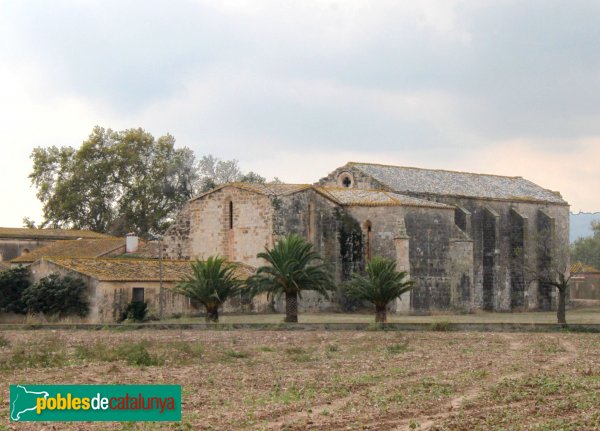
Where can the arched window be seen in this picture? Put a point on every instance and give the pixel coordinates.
(368, 239)
(228, 222)
(311, 222)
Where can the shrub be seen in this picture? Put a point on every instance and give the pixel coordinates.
(13, 282)
(236, 354)
(45, 352)
(132, 353)
(397, 348)
(441, 326)
(136, 311)
(57, 295)
(137, 354)
(4, 342)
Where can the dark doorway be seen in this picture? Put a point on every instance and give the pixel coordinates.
(137, 294)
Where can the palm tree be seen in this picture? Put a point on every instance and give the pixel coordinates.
(292, 267)
(381, 285)
(211, 283)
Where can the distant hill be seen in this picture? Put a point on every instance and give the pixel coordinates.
(580, 225)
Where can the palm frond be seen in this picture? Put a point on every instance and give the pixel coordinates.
(381, 284)
(212, 282)
(292, 267)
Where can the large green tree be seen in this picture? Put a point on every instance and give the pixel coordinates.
(115, 182)
(211, 283)
(381, 285)
(213, 171)
(292, 267)
(587, 250)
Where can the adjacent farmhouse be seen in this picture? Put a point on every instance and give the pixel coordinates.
(103, 247)
(15, 242)
(585, 283)
(113, 283)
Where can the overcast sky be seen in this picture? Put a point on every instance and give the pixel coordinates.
(296, 89)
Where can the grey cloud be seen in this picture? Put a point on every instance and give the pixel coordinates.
(512, 69)
(125, 53)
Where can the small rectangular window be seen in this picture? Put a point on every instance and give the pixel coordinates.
(137, 294)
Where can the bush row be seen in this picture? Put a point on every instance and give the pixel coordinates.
(52, 295)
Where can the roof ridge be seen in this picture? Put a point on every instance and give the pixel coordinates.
(579, 266)
(252, 187)
(393, 198)
(326, 194)
(122, 259)
(349, 189)
(433, 169)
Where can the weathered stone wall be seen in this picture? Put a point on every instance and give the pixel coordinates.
(309, 214)
(430, 232)
(177, 241)
(507, 239)
(436, 272)
(461, 271)
(212, 231)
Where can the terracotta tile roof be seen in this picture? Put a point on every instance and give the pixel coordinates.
(579, 267)
(75, 248)
(358, 197)
(440, 182)
(27, 233)
(133, 269)
(263, 189)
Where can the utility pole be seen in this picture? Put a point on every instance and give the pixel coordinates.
(161, 294)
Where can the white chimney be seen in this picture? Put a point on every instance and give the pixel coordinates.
(131, 243)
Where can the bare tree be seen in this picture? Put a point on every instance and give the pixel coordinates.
(552, 269)
(559, 279)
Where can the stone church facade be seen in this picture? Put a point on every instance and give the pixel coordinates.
(468, 241)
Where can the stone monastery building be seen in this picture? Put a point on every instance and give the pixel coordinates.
(468, 241)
